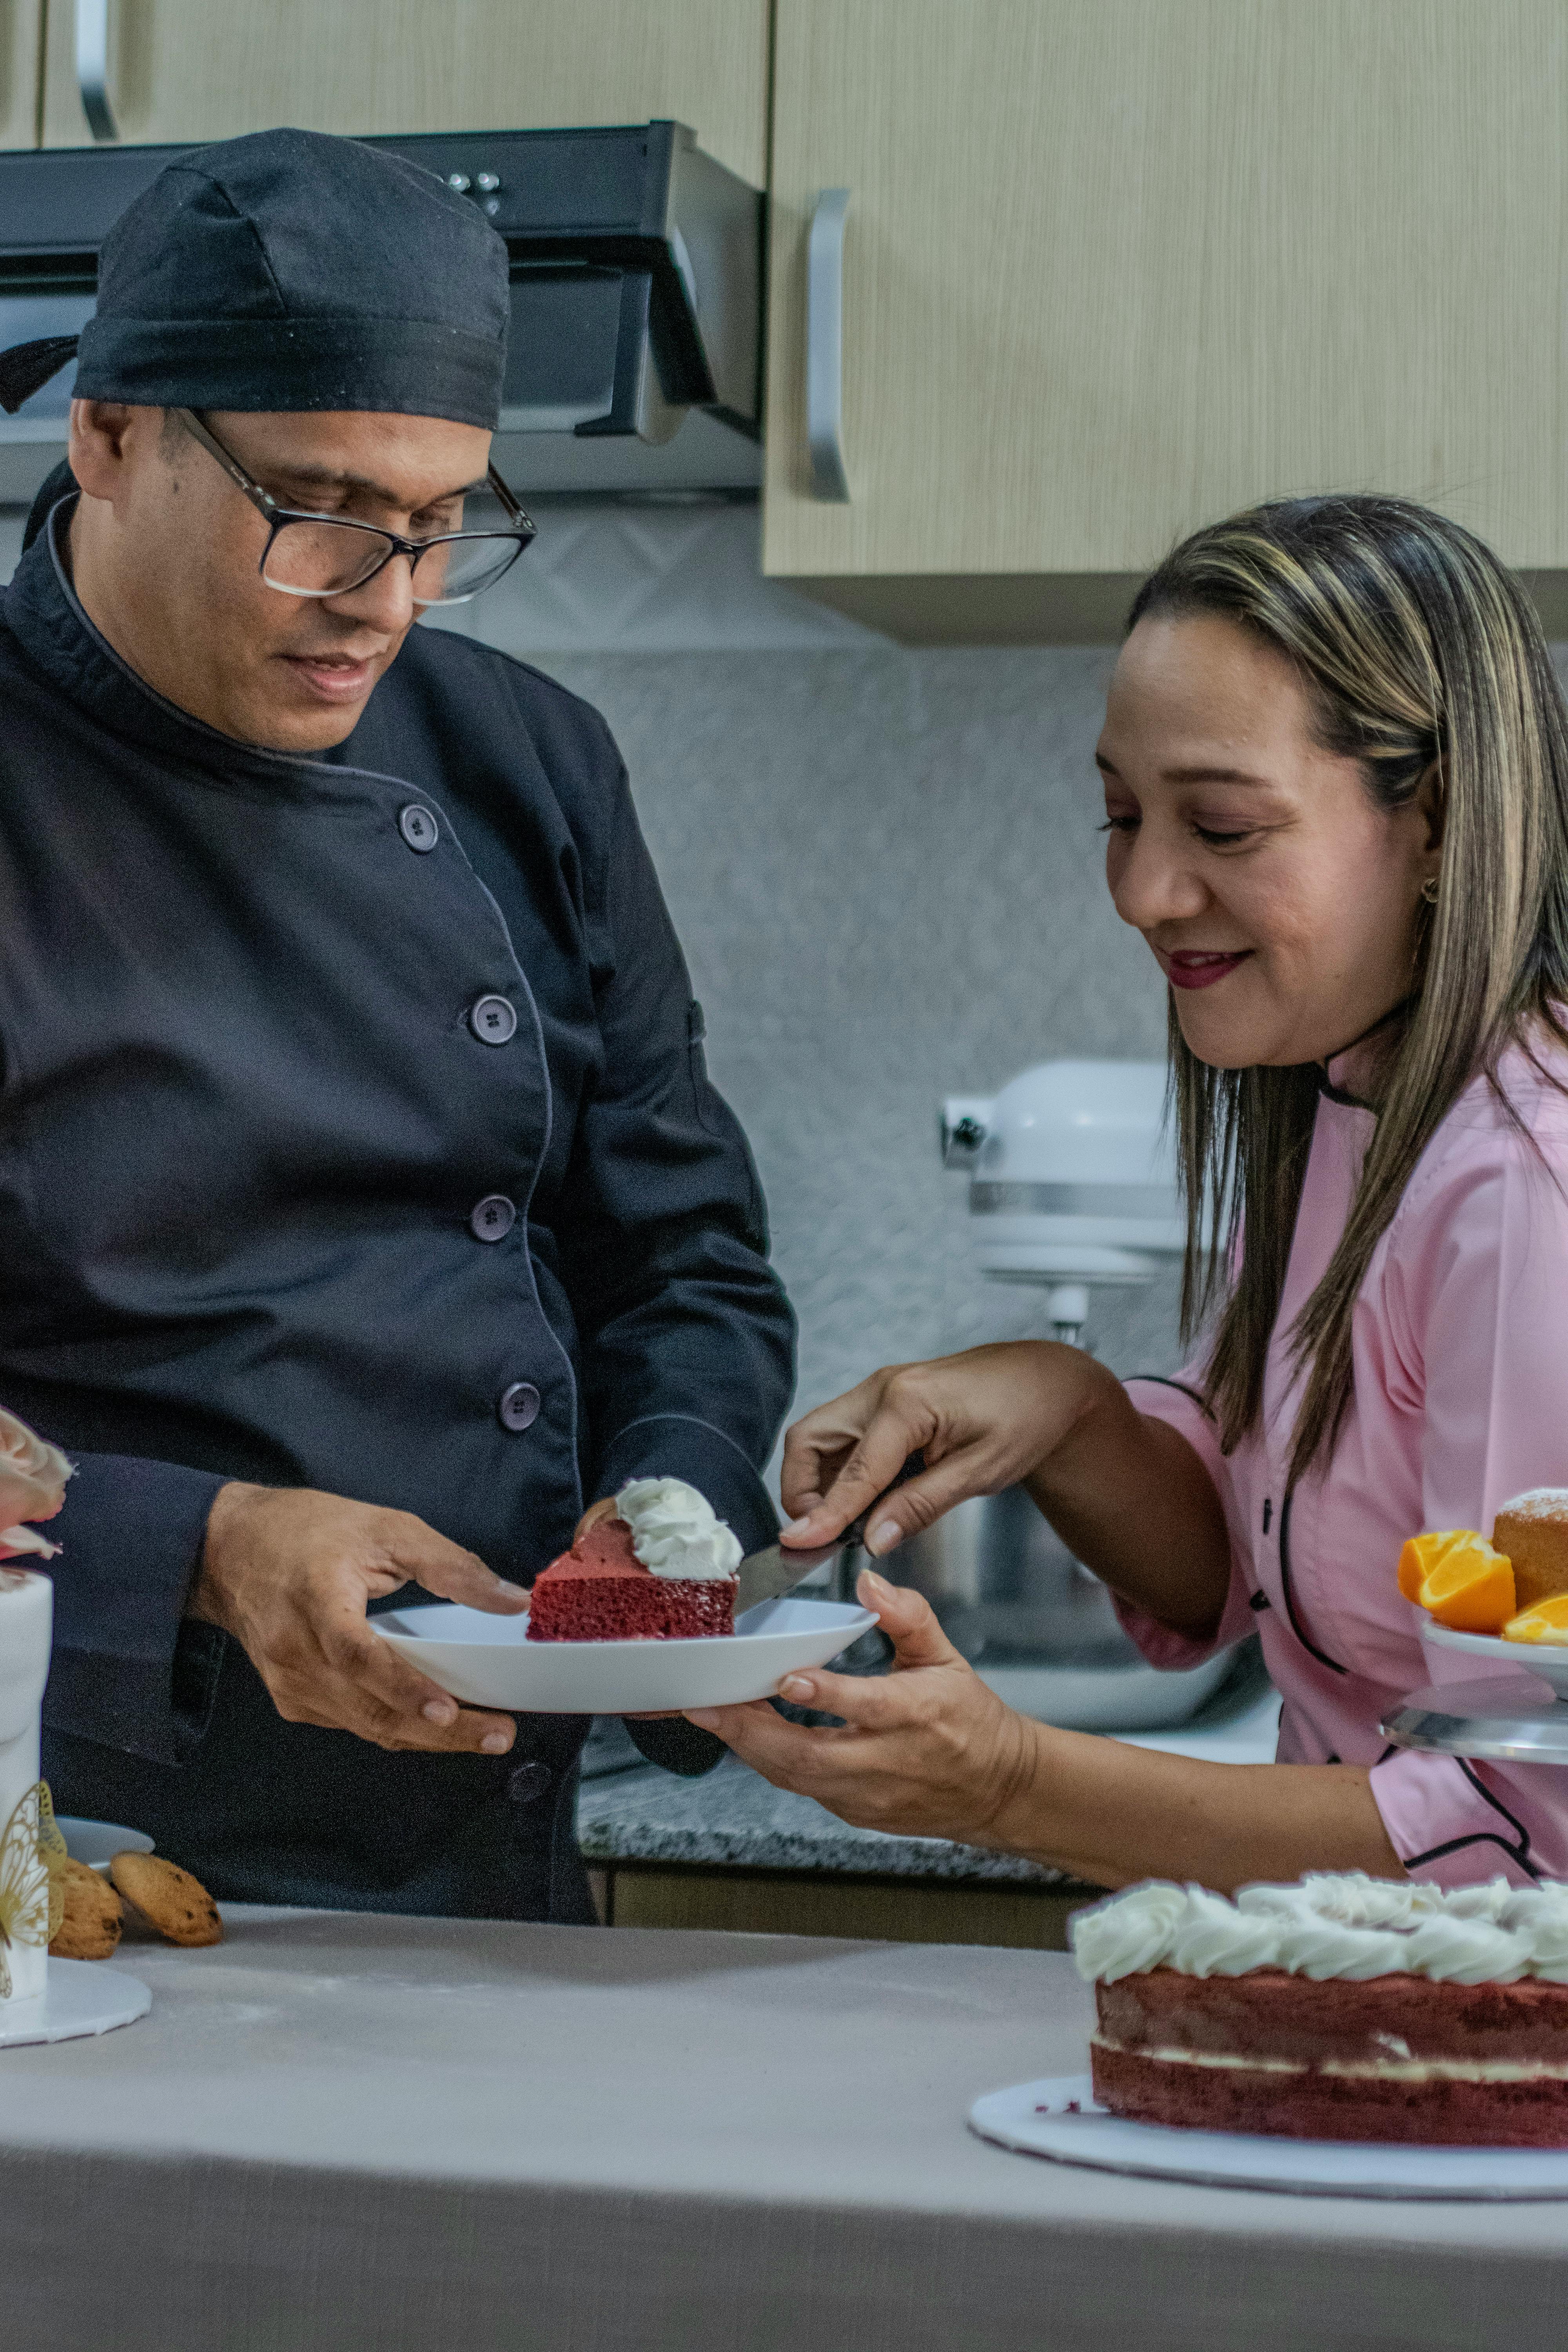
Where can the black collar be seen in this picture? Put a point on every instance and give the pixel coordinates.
(1326, 1085)
(43, 611)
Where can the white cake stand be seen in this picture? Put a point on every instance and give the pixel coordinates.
(1058, 2118)
(81, 1997)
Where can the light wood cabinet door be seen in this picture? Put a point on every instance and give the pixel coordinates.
(21, 63)
(214, 68)
(1114, 267)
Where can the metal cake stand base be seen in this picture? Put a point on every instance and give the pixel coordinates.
(1516, 1718)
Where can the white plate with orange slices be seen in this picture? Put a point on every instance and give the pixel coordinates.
(1466, 1588)
(1547, 1659)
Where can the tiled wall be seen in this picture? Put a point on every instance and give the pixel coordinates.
(885, 869)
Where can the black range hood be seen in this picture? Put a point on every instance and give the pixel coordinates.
(635, 355)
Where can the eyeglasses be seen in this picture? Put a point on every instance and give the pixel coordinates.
(325, 555)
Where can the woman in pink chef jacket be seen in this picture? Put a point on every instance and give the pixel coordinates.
(1335, 763)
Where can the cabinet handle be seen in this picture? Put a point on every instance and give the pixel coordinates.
(825, 346)
(92, 68)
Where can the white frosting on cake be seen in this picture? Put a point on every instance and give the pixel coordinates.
(1539, 1503)
(1341, 1925)
(674, 1532)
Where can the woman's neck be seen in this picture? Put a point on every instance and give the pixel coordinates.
(1358, 1071)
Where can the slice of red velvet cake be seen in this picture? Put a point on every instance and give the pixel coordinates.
(1343, 2008)
(601, 1591)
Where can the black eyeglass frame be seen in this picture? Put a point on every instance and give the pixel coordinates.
(276, 516)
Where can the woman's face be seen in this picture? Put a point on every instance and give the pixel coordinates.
(1281, 904)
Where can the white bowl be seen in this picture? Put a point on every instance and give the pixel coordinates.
(1133, 1698)
(1547, 1659)
(488, 1662)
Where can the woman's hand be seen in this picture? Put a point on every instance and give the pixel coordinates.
(33, 1475)
(983, 1420)
(927, 1750)
(1128, 1495)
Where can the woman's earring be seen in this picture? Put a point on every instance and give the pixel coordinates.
(1429, 889)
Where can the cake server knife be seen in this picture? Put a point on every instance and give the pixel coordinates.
(764, 1575)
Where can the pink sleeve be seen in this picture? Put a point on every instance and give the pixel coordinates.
(1178, 1404)
(1477, 1297)
(1454, 1822)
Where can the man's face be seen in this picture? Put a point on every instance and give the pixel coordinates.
(166, 554)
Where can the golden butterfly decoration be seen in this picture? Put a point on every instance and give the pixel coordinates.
(32, 1878)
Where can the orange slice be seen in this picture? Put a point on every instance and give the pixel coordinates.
(1546, 1622)
(1471, 1587)
(1422, 1553)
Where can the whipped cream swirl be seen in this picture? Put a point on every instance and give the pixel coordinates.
(674, 1532)
(1330, 1924)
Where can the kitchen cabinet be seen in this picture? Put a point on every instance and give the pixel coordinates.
(1115, 267)
(186, 69)
(21, 39)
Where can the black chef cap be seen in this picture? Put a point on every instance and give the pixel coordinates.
(291, 270)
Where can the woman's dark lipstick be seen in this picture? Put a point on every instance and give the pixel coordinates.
(1192, 967)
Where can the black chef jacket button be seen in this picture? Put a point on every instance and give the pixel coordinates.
(493, 1020)
(518, 1405)
(527, 1783)
(493, 1218)
(419, 827)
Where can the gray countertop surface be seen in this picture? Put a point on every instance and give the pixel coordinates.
(340, 2133)
(732, 1817)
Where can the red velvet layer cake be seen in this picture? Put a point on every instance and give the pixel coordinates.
(1397, 2058)
(1343, 2008)
(601, 1591)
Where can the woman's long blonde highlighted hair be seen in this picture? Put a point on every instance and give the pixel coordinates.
(1422, 657)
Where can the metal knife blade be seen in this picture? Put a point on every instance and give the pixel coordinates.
(763, 1575)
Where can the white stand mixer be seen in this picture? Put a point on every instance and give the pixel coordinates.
(1072, 1183)
(1072, 1180)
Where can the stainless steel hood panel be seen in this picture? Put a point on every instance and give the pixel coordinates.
(635, 358)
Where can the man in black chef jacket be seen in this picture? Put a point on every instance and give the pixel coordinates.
(365, 1211)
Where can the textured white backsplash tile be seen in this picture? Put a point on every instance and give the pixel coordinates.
(602, 577)
(885, 868)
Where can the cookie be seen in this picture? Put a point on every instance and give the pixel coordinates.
(94, 1915)
(177, 1905)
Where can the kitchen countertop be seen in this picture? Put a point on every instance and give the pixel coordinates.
(732, 1817)
(349, 2134)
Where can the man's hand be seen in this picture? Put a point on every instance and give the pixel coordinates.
(926, 1750)
(288, 1572)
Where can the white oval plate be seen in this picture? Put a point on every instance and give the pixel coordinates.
(1058, 2119)
(1544, 1658)
(488, 1661)
(97, 1843)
